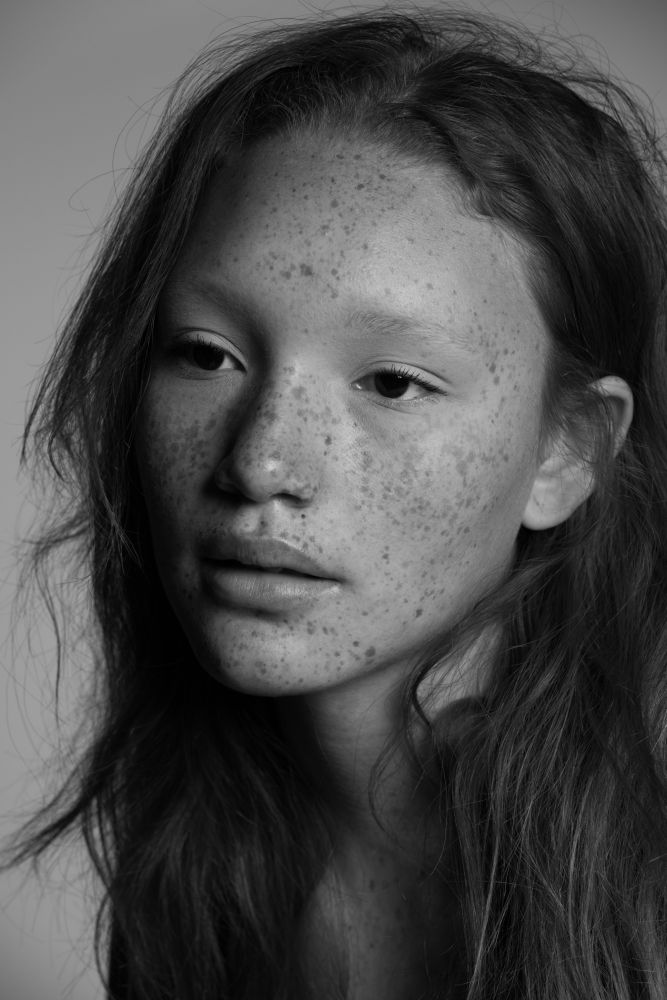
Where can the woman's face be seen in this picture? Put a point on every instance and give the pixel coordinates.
(341, 427)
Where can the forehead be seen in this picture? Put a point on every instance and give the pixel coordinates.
(319, 185)
(343, 224)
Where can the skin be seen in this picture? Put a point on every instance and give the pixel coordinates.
(412, 504)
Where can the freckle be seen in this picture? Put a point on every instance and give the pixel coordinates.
(370, 651)
(306, 270)
(286, 274)
(429, 285)
(327, 439)
(334, 203)
(418, 613)
(492, 367)
(360, 187)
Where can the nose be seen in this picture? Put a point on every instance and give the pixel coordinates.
(271, 451)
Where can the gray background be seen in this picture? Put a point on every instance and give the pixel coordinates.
(74, 76)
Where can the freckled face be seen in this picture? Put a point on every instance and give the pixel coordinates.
(346, 363)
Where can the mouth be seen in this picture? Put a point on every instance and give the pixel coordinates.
(236, 564)
(262, 554)
(257, 588)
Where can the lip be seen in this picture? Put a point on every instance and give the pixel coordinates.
(263, 574)
(266, 554)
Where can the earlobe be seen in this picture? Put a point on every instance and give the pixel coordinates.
(564, 479)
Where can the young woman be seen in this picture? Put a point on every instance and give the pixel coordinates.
(363, 412)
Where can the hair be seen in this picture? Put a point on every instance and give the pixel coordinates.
(208, 837)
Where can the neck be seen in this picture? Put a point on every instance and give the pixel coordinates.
(375, 899)
(338, 735)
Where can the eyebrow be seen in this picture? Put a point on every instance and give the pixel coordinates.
(223, 295)
(394, 323)
(377, 321)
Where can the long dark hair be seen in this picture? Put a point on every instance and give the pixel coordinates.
(208, 837)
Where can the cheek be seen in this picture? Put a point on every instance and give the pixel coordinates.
(406, 516)
(173, 448)
(442, 496)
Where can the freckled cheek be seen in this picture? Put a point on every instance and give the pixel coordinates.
(403, 503)
(446, 499)
(174, 450)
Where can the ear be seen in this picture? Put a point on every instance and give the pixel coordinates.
(564, 478)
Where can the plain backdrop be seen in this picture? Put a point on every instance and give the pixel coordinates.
(76, 81)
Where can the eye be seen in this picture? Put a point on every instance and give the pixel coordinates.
(399, 383)
(206, 355)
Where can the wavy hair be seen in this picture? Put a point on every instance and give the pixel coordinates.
(206, 834)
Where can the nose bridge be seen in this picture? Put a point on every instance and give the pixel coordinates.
(273, 450)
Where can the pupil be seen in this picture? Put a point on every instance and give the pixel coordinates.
(391, 385)
(206, 357)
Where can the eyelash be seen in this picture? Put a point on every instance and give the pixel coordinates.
(399, 371)
(182, 350)
(414, 378)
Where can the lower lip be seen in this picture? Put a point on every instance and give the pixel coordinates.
(263, 590)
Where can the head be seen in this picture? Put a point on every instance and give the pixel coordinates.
(544, 218)
(345, 363)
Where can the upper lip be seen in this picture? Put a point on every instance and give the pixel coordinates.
(266, 553)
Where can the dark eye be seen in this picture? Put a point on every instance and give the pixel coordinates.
(205, 355)
(391, 384)
(208, 357)
(400, 383)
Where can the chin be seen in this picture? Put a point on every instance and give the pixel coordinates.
(251, 676)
